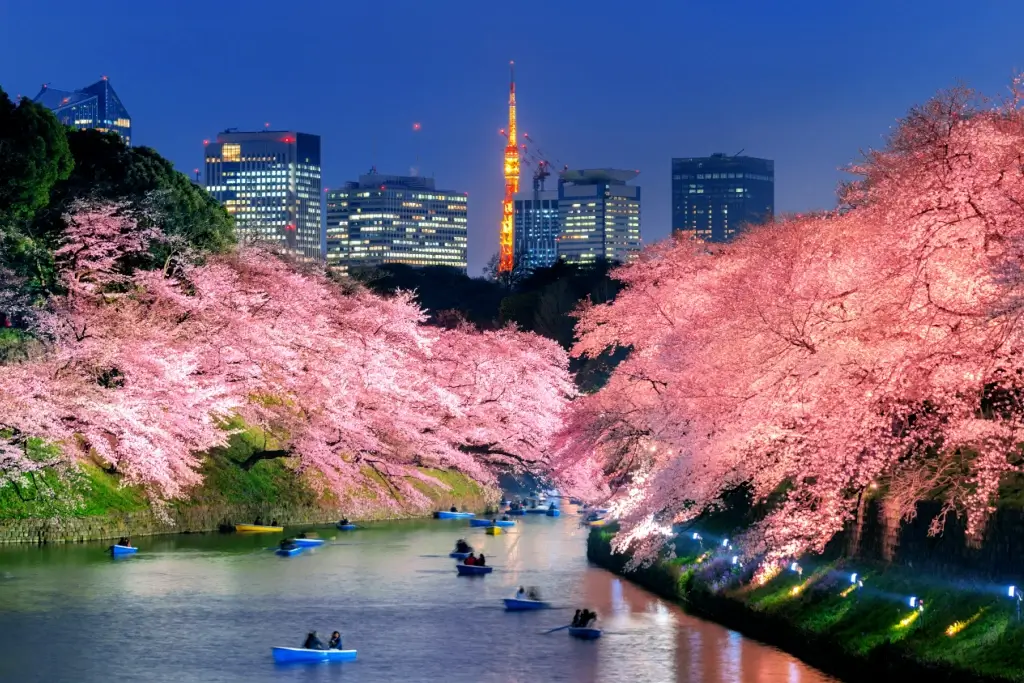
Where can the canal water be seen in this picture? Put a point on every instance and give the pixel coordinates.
(207, 608)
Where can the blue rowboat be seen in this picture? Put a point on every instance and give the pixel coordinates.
(346, 527)
(447, 514)
(119, 550)
(523, 605)
(289, 551)
(458, 555)
(520, 511)
(480, 522)
(575, 501)
(553, 512)
(473, 570)
(309, 542)
(505, 523)
(301, 654)
(584, 633)
(537, 511)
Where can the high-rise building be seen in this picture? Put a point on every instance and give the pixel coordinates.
(269, 181)
(537, 228)
(96, 106)
(383, 219)
(714, 197)
(599, 215)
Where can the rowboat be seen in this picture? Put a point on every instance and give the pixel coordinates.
(457, 555)
(473, 570)
(346, 527)
(288, 552)
(584, 633)
(524, 605)
(447, 514)
(493, 530)
(301, 654)
(598, 523)
(309, 542)
(536, 511)
(480, 522)
(575, 501)
(119, 550)
(505, 523)
(520, 511)
(553, 512)
(257, 529)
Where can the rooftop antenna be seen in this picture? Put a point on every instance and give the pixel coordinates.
(416, 127)
(740, 152)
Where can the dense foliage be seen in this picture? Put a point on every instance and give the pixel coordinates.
(146, 367)
(816, 357)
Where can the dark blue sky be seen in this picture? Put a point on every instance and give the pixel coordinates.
(807, 83)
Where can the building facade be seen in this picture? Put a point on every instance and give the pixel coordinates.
(599, 213)
(269, 181)
(537, 227)
(382, 219)
(95, 106)
(714, 197)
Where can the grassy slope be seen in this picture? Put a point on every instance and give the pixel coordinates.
(269, 482)
(875, 623)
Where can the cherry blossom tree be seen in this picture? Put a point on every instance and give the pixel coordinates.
(147, 367)
(820, 355)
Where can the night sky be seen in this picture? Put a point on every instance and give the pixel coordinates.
(601, 83)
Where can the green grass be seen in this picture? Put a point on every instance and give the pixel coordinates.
(874, 621)
(86, 492)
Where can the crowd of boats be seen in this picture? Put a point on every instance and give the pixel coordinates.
(469, 564)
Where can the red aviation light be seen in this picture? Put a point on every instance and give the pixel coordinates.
(205, 143)
(289, 227)
(288, 139)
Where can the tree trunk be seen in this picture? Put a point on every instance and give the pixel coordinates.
(257, 456)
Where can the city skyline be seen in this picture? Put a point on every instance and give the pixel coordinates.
(780, 91)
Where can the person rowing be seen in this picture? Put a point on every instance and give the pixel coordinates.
(521, 594)
(470, 560)
(454, 509)
(287, 544)
(505, 518)
(313, 642)
(481, 561)
(344, 521)
(335, 643)
(462, 547)
(532, 593)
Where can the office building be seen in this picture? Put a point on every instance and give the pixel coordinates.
(96, 106)
(383, 219)
(599, 214)
(269, 181)
(714, 197)
(537, 227)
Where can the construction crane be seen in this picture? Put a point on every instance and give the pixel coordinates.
(506, 258)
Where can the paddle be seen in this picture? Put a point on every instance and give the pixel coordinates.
(560, 628)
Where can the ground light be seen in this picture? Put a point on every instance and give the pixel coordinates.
(1016, 596)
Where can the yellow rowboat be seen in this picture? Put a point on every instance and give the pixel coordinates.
(257, 529)
(493, 530)
(598, 522)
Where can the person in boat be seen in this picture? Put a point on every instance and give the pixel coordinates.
(576, 618)
(274, 523)
(462, 547)
(551, 507)
(344, 521)
(259, 521)
(481, 561)
(287, 544)
(521, 594)
(470, 560)
(454, 509)
(587, 618)
(335, 643)
(532, 593)
(505, 518)
(313, 642)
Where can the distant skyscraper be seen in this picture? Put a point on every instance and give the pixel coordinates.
(599, 215)
(536, 228)
(96, 106)
(713, 197)
(382, 219)
(269, 180)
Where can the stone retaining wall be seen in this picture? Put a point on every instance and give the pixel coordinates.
(193, 519)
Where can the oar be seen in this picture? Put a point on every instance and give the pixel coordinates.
(560, 628)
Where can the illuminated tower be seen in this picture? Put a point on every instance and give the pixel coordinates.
(505, 238)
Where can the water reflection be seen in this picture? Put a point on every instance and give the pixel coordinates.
(215, 604)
